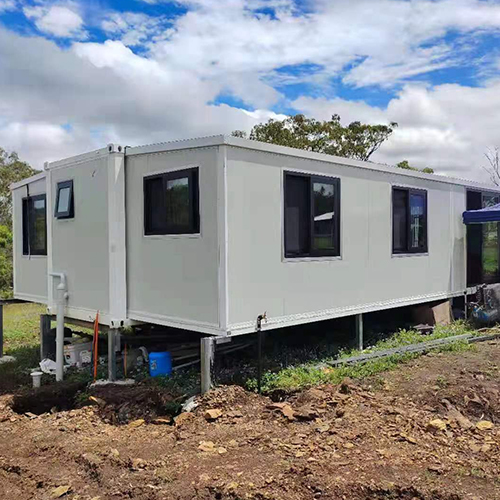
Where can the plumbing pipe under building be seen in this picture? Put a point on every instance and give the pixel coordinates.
(62, 296)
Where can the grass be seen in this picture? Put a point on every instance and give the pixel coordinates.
(21, 325)
(21, 340)
(298, 377)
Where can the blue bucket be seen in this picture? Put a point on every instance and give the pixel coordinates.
(160, 364)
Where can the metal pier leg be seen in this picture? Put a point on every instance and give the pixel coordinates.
(359, 331)
(207, 358)
(112, 334)
(1, 330)
(47, 347)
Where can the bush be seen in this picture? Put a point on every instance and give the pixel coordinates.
(5, 262)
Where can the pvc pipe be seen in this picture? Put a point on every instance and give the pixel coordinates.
(62, 295)
(37, 379)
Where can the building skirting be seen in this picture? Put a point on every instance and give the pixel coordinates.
(309, 317)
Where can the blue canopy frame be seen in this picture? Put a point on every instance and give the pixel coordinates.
(488, 214)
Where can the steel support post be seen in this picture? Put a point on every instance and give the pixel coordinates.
(1, 330)
(359, 331)
(112, 337)
(47, 341)
(207, 359)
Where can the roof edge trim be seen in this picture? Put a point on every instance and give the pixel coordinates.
(28, 180)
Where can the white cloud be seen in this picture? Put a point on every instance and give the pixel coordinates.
(106, 94)
(385, 41)
(58, 20)
(6, 5)
(134, 28)
(448, 127)
(162, 91)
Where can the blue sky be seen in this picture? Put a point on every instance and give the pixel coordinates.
(76, 74)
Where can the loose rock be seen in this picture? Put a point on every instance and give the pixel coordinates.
(212, 415)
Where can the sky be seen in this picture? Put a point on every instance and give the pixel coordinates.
(76, 75)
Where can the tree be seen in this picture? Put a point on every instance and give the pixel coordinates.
(356, 140)
(493, 167)
(404, 164)
(12, 169)
(5, 261)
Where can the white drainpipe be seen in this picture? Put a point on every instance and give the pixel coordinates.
(62, 296)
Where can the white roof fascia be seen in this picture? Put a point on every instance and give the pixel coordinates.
(28, 180)
(163, 147)
(339, 160)
(73, 160)
(219, 140)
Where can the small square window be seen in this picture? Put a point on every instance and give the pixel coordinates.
(64, 200)
(171, 203)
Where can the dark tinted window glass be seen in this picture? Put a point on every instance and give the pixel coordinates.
(490, 250)
(324, 216)
(63, 205)
(474, 242)
(178, 202)
(26, 231)
(417, 221)
(34, 226)
(312, 218)
(171, 203)
(64, 200)
(409, 220)
(38, 236)
(297, 215)
(155, 209)
(399, 219)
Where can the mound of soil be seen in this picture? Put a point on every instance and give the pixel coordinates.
(54, 397)
(417, 433)
(120, 405)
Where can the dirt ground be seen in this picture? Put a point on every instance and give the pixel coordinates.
(428, 430)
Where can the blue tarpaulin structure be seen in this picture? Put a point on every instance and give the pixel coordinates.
(488, 214)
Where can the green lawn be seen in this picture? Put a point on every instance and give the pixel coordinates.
(294, 378)
(21, 325)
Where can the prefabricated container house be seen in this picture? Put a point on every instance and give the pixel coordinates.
(208, 234)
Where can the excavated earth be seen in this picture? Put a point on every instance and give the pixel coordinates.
(428, 430)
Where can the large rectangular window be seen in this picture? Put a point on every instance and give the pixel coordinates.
(171, 203)
(312, 216)
(409, 220)
(34, 225)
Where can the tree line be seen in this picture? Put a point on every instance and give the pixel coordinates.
(12, 169)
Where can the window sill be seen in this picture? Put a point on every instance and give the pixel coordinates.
(398, 255)
(326, 258)
(171, 236)
(30, 257)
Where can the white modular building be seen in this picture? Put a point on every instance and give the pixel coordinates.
(208, 234)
